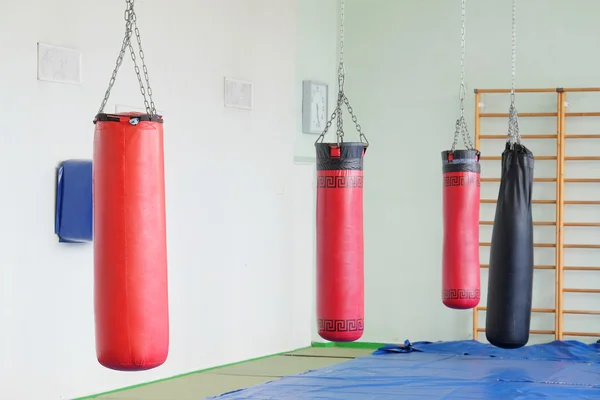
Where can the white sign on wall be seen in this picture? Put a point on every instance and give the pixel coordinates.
(59, 64)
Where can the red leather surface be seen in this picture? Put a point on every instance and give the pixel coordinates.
(460, 258)
(130, 256)
(340, 255)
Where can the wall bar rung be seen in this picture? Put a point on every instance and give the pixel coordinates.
(586, 334)
(581, 246)
(579, 268)
(582, 158)
(582, 224)
(582, 202)
(581, 312)
(579, 89)
(581, 114)
(581, 136)
(572, 290)
(536, 90)
(582, 180)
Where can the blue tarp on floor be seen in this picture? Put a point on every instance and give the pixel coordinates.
(461, 370)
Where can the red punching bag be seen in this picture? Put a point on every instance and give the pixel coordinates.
(460, 263)
(130, 256)
(130, 246)
(340, 247)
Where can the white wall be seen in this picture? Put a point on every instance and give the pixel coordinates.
(229, 194)
(404, 60)
(317, 58)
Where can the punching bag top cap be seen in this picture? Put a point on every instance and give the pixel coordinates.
(346, 156)
(450, 156)
(518, 148)
(125, 117)
(461, 161)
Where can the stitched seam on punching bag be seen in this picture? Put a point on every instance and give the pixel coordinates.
(123, 133)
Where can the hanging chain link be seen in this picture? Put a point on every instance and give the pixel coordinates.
(461, 123)
(342, 99)
(341, 76)
(130, 28)
(342, 66)
(513, 116)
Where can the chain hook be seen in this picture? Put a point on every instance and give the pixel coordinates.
(462, 95)
(341, 77)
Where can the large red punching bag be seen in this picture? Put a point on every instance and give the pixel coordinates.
(130, 256)
(461, 197)
(340, 246)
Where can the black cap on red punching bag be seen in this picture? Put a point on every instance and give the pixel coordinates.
(346, 156)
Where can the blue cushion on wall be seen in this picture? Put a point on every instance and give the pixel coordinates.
(74, 212)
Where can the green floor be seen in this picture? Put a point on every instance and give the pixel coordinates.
(221, 380)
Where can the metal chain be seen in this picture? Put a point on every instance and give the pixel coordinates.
(461, 123)
(342, 99)
(341, 76)
(130, 28)
(514, 50)
(340, 119)
(150, 107)
(513, 116)
(342, 67)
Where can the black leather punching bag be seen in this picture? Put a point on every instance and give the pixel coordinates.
(510, 282)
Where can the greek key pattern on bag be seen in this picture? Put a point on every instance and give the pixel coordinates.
(340, 182)
(462, 180)
(461, 294)
(341, 325)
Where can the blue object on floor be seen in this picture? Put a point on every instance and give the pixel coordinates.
(463, 370)
(74, 212)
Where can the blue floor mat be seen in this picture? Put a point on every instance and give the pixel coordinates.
(462, 370)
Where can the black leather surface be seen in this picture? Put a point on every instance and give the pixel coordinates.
(510, 282)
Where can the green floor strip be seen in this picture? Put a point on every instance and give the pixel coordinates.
(186, 374)
(347, 345)
(350, 345)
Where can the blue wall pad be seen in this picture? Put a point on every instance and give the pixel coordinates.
(464, 370)
(74, 212)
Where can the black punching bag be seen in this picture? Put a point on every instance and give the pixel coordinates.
(510, 282)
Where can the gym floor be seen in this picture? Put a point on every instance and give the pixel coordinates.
(238, 376)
